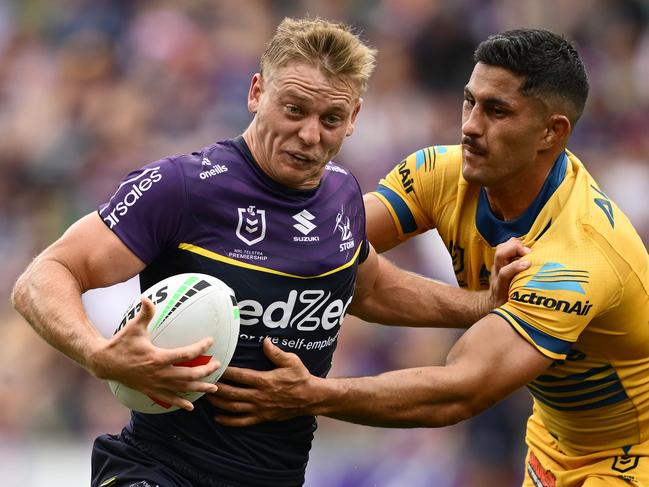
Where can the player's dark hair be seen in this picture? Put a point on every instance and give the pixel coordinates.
(550, 63)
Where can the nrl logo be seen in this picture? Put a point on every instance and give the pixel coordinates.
(252, 225)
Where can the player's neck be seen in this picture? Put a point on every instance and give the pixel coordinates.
(251, 142)
(509, 201)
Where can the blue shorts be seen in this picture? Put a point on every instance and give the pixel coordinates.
(120, 463)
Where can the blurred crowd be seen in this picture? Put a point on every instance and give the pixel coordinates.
(90, 89)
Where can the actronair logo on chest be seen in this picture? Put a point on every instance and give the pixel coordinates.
(139, 185)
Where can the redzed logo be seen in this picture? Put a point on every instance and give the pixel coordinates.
(539, 476)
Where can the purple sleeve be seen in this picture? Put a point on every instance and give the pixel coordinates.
(146, 211)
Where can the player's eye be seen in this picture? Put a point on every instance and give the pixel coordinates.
(497, 112)
(293, 110)
(332, 120)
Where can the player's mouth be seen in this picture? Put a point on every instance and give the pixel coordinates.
(472, 149)
(300, 157)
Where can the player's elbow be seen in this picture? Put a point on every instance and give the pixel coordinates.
(472, 397)
(468, 408)
(19, 292)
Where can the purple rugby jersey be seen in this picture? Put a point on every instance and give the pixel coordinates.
(291, 257)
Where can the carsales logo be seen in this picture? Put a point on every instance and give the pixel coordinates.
(140, 184)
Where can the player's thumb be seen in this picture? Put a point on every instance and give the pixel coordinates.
(276, 355)
(145, 315)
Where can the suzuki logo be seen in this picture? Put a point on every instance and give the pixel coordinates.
(304, 226)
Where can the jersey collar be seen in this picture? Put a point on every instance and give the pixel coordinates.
(495, 231)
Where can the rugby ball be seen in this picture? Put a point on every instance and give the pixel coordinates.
(188, 307)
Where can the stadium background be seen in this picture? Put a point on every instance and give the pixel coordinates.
(91, 89)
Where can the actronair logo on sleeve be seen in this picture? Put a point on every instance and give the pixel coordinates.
(139, 185)
(556, 277)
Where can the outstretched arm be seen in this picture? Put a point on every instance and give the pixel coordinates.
(48, 295)
(489, 362)
(389, 295)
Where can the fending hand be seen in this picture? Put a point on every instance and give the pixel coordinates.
(249, 397)
(508, 262)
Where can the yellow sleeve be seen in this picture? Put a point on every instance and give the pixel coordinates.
(552, 302)
(410, 191)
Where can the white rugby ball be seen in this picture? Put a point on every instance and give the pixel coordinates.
(189, 307)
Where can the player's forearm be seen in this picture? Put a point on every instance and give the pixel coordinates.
(404, 298)
(420, 397)
(49, 298)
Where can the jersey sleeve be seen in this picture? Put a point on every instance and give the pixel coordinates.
(551, 303)
(146, 211)
(413, 190)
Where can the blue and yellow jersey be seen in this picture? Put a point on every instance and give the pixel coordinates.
(584, 301)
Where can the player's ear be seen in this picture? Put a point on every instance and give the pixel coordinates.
(254, 92)
(557, 130)
(350, 127)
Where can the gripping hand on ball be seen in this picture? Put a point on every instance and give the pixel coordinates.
(129, 357)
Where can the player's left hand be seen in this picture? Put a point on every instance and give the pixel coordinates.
(259, 396)
(508, 262)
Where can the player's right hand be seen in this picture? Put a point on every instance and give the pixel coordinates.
(508, 261)
(129, 357)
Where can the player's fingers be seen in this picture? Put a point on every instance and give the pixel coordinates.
(186, 354)
(508, 251)
(190, 372)
(278, 356)
(168, 398)
(238, 407)
(249, 377)
(193, 386)
(508, 272)
(193, 370)
(229, 392)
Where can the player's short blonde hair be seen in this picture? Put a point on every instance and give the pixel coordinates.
(333, 47)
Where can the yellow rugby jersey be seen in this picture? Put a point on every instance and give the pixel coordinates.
(583, 302)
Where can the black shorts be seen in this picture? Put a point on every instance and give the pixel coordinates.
(119, 463)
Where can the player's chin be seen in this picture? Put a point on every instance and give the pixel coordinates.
(299, 178)
(472, 173)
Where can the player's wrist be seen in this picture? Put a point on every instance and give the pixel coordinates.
(94, 358)
(484, 302)
(325, 395)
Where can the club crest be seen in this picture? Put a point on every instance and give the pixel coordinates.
(252, 225)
